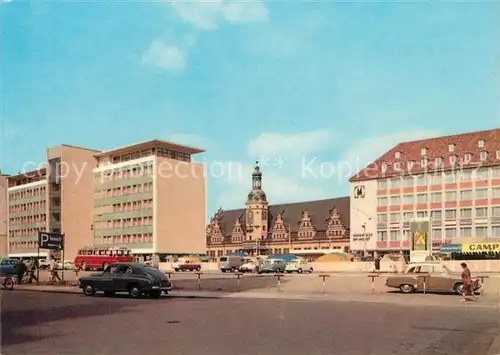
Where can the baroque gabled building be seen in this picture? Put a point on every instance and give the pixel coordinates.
(260, 228)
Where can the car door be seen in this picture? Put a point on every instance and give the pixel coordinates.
(442, 279)
(122, 279)
(105, 282)
(431, 280)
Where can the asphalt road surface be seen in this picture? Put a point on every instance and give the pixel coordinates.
(46, 323)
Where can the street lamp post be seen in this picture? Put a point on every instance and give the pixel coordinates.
(363, 226)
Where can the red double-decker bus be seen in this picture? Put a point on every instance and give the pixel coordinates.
(99, 258)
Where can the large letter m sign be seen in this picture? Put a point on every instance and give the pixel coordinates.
(359, 192)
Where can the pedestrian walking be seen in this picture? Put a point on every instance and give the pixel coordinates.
(467, 284)
(53, 272)
(33, 270)
(377, 264)
(19, 269)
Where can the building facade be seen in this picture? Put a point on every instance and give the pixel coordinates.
(453, 182)
(55, 198)
(151, 198)
(4, 247)
(260, 228)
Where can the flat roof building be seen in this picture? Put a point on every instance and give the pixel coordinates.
(55, 198)
(151, 198)
(451, 184)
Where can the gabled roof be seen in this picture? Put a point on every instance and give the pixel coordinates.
(435, 148)
(319, 212)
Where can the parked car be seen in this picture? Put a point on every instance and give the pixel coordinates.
(68, 265)
(134, 278)
(231, 263)
(273, 266)
(250, 266)
(298, 266)
(43, 264)
(185, 265)
(7, 266)
(438, 278)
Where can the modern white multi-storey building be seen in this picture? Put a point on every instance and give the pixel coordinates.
(453, 182)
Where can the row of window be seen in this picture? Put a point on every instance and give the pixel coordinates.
(467, 213)
(128, 239)
(117, 174)
(439, 233)
(448, 196)
(31, 206)
(35, 218)
(124, 223)
(130, 189)
(29, 232)
(17, 195)
(13, 246)
(439, 178)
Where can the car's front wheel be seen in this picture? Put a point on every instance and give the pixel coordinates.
(459, 289)
(88, 290)
(407, 288)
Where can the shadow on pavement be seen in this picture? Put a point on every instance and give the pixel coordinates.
(14, 321)
(229, 284)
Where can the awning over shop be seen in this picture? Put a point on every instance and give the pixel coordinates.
(481, 248)
(451, 248)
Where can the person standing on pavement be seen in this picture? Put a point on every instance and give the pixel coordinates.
(467, 284)
(53, 271)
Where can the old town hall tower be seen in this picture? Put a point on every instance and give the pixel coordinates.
(256, 209)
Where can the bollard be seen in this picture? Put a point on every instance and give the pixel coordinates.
(482, 277)
(373, 277)
(324, 276)
(77, 276)
(238, 275)
(199, 279)
(279, 276)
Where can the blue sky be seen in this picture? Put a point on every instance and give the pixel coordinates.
(295, 84)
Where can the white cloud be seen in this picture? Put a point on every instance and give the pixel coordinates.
(207, 14)
(237, 183)
(164, 56)
(275, 144)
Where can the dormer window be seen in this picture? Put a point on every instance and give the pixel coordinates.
(484, 156)
(498, 154)
(453, 159)
(411, 164)
(397, 166)
(480, 143)
(384, 167)
(467, 158)
(423, 162)
(397, 155)
(438, 161)
(451, 148)
(423, 151)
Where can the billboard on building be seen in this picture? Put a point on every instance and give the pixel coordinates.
(420, 236)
